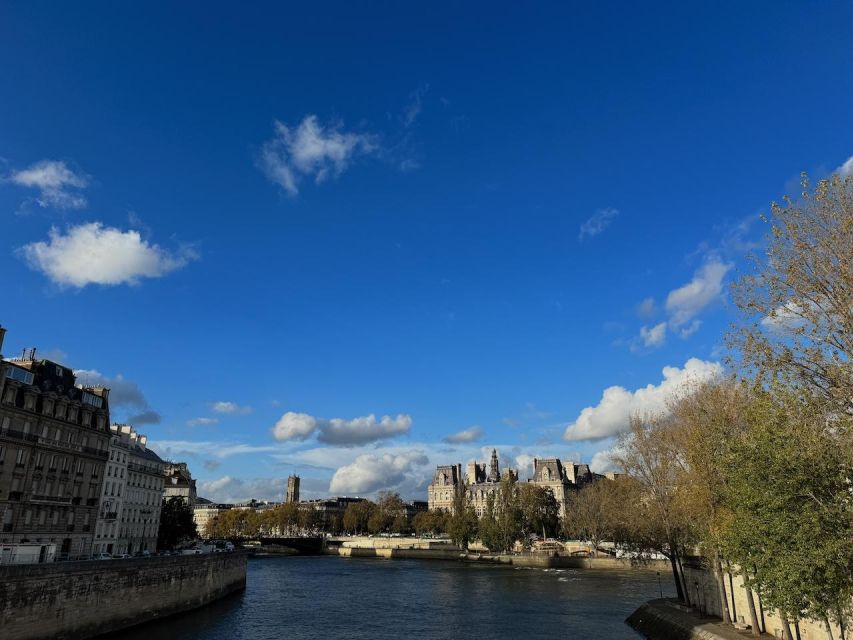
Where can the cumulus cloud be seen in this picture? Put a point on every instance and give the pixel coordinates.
(230, 490)
(231, 408)
(294, 426)
(612, 413)
(372, 472)
(602, 462)
(599, 221)
(202, 422)
(58, 186)
(471, 434)
(684, 303)
(846, 169)
(654, 336)
(362, 430)
(340, 432)
(93, 254)
(786, 318)
(311, 150)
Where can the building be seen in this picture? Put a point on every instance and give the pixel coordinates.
(292, 489)
(180, 483)
(131, 497)
(140, 509)
(329, 512)
(481, 481)
(54, 445)
(204, 511)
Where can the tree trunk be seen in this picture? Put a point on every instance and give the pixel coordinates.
(679, 592)
(731, 590)
(753, 619)
(828, 628)
(683, 579)
(786, 628)
(721, 588)
(797, 630)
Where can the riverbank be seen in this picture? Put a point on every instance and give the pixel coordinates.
(78, 600)
(667, 620)
(424, 549)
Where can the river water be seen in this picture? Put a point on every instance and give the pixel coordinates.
(327, 597)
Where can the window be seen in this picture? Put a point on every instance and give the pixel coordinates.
(2, 453)
(21, 458)
(92, 399)
(6, 422)
(28, 516)
(21, 375)
(42, 516)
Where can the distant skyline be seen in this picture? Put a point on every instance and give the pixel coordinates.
(353, 243)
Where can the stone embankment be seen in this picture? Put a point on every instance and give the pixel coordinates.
(424, 549)
(76, 600)
(667, 620)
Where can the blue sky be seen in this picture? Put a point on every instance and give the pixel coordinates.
(357, 242)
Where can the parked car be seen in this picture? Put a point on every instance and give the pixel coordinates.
(102, 556)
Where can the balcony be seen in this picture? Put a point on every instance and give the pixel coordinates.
(98, 453)
(18, 435)
(51, 499)
(112, 515)
(59, 444)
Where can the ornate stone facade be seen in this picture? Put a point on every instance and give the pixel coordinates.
(54, 445)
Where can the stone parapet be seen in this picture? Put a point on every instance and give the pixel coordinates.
(76, 600)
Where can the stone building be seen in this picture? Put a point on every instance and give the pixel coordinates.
(205, 511)
(140, 509)
(129, 513)
(481, 481)
(54, 446)
(292, 489)
(180, 483)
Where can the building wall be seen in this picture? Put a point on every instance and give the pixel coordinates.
(140, 513)
(53, 450)
(83, 599)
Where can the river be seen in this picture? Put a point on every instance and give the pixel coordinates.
(325, 597)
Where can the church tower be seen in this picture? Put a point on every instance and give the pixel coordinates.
(494, 471)
(292, 489)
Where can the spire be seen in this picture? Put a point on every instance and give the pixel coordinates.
(494, 471)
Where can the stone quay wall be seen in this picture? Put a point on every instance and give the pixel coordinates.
(704, 594)
(76, 600)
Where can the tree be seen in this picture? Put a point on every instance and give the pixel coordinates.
(462, 524)
(501, 524)
(590, 513)
(798, 305)
(540, 513)
(791, 525)
(648, 453)
(176, 524)
(357, 516)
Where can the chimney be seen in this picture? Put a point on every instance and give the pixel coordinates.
(2, 335)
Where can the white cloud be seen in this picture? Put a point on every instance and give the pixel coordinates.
(230, 490)
(311, 150)
(93, 254)
(655, 336)
(612, 413)
(599, 221)
(202, 422)
(786, 318)
(684, 303)
(340, 432)
(56, 183)
(231, 408)
(846, 169)
(689, 330)
(372, 472)
(176, 449)
(363, 430)
(466, 435)
(602, 462)
(294, 426)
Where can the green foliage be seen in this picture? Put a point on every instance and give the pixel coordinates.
(357, 516)
(176, 524)
(539, 511)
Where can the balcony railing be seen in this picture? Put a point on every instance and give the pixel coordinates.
(100, 453)
(59, 444)
(52, 499)
(19, 435)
